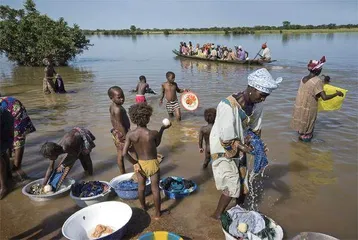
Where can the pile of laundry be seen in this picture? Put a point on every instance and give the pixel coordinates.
(177, 185)
(243, 224)
(88, 189)
(128, 185)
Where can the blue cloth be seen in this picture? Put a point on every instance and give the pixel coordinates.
(259, 152)
(55, 179)
(126, 185)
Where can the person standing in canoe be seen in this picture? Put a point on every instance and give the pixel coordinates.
(306, 106)
(236, 114)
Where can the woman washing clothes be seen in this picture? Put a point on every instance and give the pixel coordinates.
(235, 115)
(76, 144)
(306, 106)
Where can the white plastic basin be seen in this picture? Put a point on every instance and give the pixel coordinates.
(87, 201)
(65, 187)
(81, 224)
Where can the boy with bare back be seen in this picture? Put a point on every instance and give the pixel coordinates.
(141, 89)
(204, 134)
(48, 85)
(169, 90)
(120, 123)
(145, 143)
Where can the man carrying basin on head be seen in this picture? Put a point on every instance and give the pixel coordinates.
(76, 144)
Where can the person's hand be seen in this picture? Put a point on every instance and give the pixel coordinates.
(167, 126)
(161, 102)
(201, 150)
(248, 148)
(136, 167)
(339, 93)
(266, 149)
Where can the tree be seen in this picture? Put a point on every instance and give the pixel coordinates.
(286, 24)
(133, 28)
(27, 37)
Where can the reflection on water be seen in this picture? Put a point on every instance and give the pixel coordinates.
(298, 174)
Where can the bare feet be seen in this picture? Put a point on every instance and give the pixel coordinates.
(158, 215)
(3, 192)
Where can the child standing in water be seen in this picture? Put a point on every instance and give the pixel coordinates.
(48, 85)
(204, 134)
(145, 142)
(169, 90)
(120, 123)
(141, 89)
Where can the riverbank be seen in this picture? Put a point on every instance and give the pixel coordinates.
(221, 32)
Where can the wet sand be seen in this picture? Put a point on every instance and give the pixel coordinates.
(288, 193)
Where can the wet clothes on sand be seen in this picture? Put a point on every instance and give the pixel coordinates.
(177, 185)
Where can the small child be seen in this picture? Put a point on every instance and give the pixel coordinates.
(120, 123)
(48, 85)
(204, 134)
(169, 90)
(141, 89)
(145, 142)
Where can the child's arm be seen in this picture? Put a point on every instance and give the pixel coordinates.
(160, 134)
(181, 90)
(125, 149)
(48, 172)
(201, 137)
(163, 94)
(136, 89)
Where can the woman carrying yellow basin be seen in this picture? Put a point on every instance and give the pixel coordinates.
(310, 92)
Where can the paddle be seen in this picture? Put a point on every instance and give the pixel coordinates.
(258, 53)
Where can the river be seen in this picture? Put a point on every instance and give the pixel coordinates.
(307, 187)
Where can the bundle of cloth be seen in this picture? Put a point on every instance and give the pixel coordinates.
(260, 157)
(177, 185)
(244, 224)
(88, 189)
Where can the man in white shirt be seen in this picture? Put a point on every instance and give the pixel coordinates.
(266, 54)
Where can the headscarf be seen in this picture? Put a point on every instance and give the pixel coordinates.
(264, 46)
(314, 65)
(263, 81)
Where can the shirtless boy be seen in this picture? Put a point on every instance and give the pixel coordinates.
(120, 123)
(169, 90)
(76, 144)
(145, 143)
(141, 89)
(204, 134)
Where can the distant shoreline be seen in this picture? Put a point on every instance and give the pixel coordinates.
(222, 32)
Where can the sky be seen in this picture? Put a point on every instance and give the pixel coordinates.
(121, 14)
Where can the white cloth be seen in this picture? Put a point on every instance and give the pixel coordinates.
(266, 53)
(263, 81)
(228, 126)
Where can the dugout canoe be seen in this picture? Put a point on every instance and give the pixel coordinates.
(246, 62)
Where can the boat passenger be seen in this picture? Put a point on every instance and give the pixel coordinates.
(266, 53)
(241, 53)
(190, 48)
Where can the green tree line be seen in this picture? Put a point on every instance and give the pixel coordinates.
(286, 25)
(27, 37)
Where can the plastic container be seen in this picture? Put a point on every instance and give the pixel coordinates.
(173, 195)
(130, 194)
(82, 223)
(160, 235)
(64, 189)
(87, 201)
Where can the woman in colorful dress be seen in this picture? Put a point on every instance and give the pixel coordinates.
(22, 127)
(306, 106)
(235, 115)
